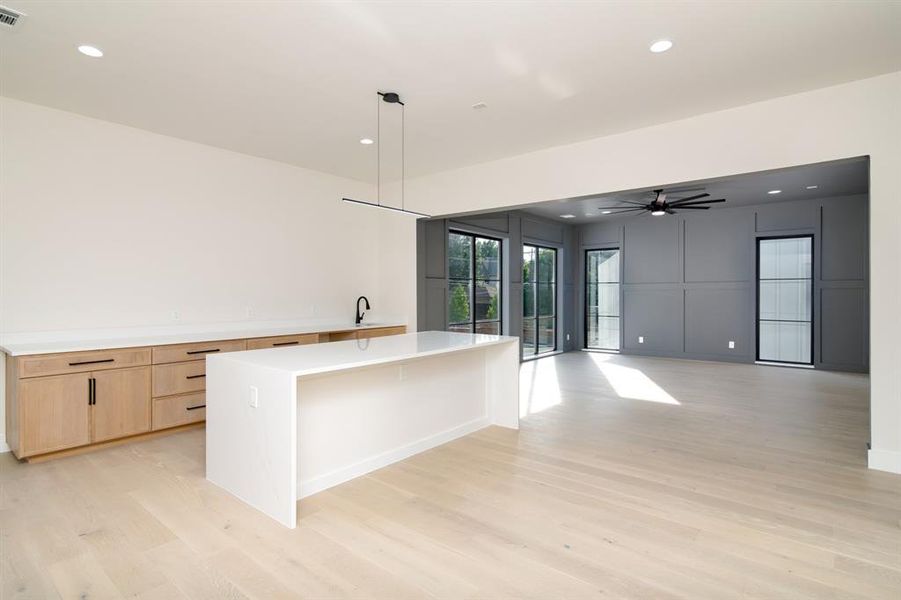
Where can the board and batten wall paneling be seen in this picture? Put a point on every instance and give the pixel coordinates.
(695, 311)
(514, 229)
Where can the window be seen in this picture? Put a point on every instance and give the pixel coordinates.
(785, 299)
(474, 283)
(602, 299)
(539, 300)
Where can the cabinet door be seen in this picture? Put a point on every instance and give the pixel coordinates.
(55, 413)
(121, 403)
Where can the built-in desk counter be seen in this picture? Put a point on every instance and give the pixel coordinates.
(289, 422)
(69, 391)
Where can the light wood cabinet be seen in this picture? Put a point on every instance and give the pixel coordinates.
(282, 340)
(179, 378)
(178, 410)
(57, 402)
(54, 413)
(121, 405)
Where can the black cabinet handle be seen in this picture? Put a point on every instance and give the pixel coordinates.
(91, 362)
(203, 351)
(285, 343)
(92, 391)
(195, 376)
(195, 407)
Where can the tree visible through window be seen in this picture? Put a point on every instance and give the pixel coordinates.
(474, 283)
(539, 300)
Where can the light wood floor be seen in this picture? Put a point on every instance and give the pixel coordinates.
(632, 478)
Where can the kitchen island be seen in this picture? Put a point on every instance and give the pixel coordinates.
(285, 423)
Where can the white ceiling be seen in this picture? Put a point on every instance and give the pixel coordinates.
(296, 81)
(837, 178)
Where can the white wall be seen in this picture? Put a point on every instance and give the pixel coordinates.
(855, 119)
(103, 225)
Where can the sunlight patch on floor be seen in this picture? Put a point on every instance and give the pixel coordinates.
(630, 383)
(538, 386)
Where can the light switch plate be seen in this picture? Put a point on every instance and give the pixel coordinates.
(641, 339)
(254, 397)
(731, 345)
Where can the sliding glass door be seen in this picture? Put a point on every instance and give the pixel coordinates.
(602, 313)
(474, 283)
(785, 299)
(539, 300)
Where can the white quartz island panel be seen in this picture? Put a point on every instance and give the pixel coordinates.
(284, 423)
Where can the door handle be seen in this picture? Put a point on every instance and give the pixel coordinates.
(195, 407)
(92, 391)
(195, 376)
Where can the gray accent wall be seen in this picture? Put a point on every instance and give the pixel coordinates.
(689, 281)
(514, 228)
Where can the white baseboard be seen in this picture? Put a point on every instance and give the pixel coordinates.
(885, 460)
(339, 476)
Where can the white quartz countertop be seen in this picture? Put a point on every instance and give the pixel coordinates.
(46, 342)
(353, 354)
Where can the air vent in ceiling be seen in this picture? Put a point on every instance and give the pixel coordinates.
(9, 17)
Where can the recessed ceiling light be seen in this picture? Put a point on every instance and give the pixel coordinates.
(774, 192)
(567, 216)
(606, 212)
(91, 51)
(479, 106)
(661, 46)
(812, 187)
(658, 213)
(366, 141)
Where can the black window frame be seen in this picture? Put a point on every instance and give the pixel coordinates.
(757, 241)
(535, 353)
(619, 292)
(473, 279)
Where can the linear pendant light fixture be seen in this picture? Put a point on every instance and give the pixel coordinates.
(389, 98)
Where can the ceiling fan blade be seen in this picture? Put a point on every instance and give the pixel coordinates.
(695, 197)
(669, 211)
(692, 207)
(697, 202)
(636, 202)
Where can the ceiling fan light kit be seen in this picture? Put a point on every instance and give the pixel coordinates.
(661, 205)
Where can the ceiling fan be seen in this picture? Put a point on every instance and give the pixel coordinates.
(661, 204)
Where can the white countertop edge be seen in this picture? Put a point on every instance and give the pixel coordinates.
(23, 344)
(244, 357)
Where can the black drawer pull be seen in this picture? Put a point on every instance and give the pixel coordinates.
(202, 351)
(195, 407)
(285, 343)
(195, 376)
(92, 362)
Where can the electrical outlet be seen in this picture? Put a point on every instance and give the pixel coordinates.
(567, 337)
(254, 397)
(731, 345)
(175, 315)
(641, 339)
(248, 312)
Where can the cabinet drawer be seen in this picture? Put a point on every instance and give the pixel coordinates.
(337, 336)
(178, 410)
(380, 332)
(282, 340)
(194, 351)
(179, 378)
(80, 362)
